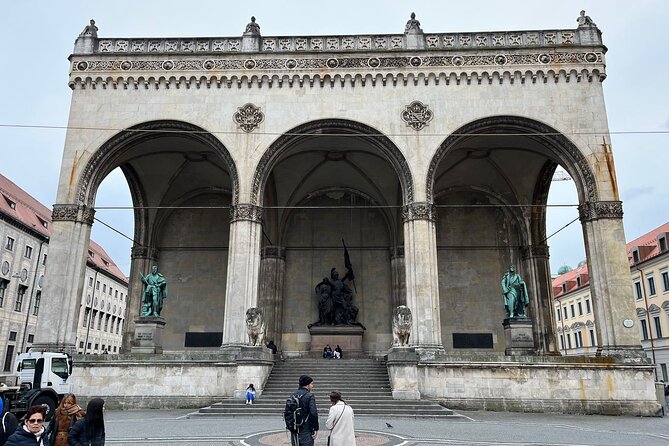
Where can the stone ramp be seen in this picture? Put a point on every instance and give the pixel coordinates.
(363, 383)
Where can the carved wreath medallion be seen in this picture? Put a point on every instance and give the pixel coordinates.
(417, 115)
(248, 117)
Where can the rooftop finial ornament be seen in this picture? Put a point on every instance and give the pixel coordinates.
(90, 30)
(584, 20)
(252, 27)
(413, 25)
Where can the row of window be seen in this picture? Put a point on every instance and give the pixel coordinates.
(115, 322)
(27, 252)
(96, 349)
(578, 340)
(650, 281)
(9, 353)
(563, 314)
(113, 292)
(20, 295)
(645, 335)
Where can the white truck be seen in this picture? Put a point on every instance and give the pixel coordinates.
(43, 379)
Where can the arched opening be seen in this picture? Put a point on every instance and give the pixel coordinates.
(182, 182)
(490, 182)
(320, 183)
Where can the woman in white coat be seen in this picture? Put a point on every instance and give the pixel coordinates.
(340, 422)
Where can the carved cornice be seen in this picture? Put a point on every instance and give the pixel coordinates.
(590, 210)
(189, 71)
(534, 251)
(73, 212)
(144, 252)
(419, 211)
(277, 252)
(249, 212)
(397, 252)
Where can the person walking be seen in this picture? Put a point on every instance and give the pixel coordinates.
(250, 394)
(90, 430)
(31, 432)
(340, 422)
(67, 413)
(308, 431)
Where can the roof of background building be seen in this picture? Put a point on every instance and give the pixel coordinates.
(648, 241)
(20, 206)
(570, 279)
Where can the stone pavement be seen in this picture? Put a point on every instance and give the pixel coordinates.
(171, 427)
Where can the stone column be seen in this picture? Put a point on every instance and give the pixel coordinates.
(142, 259)
(398, 272)
(241, 289)
(64, 279)
(422, 281)
(610, 284)
(535, 258)
(272, 274)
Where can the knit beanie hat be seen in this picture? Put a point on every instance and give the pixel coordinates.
(305, 380)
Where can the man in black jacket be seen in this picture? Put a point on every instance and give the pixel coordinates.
(307, 433)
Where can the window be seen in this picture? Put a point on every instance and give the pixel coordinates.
(578, 281)
(3, 287)
(19, 298)
(9, 357)
(116, 294)
(104, 287)
(557, 311)
(100, 322)
(28, 252)
(664, 372)
(44, 260)
(110, 291)
(662, 241)
(31, 338)
(651, 285)
(9, 244)
(658, 326)
(564, 312)
(12, 336)
(562, 342)
(97, 285)
(635, 256)
(568, 340)
(665, 280)
(644, 330)
(593, 342)
(38, 297)
(96, 346)
(119, 326)
(87, 313)
(637, 289)
(90, 281)
(564, 287)
(587, 306)
(571, 307)
(10, 203)
(81, 344)
(580, 308)
(88, 346)
(107, 323)
(578, 339)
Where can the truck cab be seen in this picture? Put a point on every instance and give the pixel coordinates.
(43, 379)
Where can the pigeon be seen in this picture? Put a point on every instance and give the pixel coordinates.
(389, 425)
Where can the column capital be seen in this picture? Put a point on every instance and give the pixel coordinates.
(143, 252)
(594, 210)
(79, 213)
(419, 211)
(278, 252)
(397, 251)
(534, 251)
(250, 212)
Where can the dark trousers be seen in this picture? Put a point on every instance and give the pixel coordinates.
(303, 438)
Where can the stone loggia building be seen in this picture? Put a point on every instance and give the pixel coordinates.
(249, 159)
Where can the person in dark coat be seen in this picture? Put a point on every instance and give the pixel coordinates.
(90, 430)
(306, 436)
(31, 432)
(8, 425)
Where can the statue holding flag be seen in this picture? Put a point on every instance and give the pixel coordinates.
(335, 297)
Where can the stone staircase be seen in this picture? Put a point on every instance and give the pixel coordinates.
(363, 383)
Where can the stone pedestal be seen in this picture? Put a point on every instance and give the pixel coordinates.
(348, 337)
(148, 335)
(403, 373)
(518, 336)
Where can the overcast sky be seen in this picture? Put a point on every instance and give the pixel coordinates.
(38, 36)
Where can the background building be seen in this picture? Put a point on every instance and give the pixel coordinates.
(25, 227)
(648, 257)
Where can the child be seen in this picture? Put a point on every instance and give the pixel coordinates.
(250, 394)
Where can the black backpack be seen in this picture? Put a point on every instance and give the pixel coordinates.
(294, 414)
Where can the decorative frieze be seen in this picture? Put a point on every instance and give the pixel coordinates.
(73, 212)
(250, 212)
(419, 211)
(590, 211)
(534, 251)
(143, 252)
(278, 252)
(248, 117)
